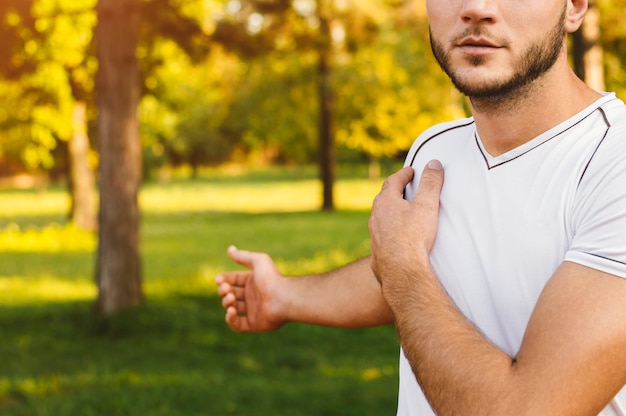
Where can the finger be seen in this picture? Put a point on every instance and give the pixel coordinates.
(238, 278)
(399, 180)
(243, 257)
(236, 321)
(430, 184)
(233, 319)
(223, 289)
(228, 300)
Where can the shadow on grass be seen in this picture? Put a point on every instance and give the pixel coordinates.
(175, 356)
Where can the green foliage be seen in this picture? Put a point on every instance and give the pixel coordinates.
(179, 21)
(175, 355)
(390, 91)
(613, 38)
(51, 60)
(385, 89)
(275, 110)
(237, 80)
(183, 116)
(56, 40)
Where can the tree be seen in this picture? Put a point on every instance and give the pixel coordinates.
(69, 40)
(46, 45)
(124, 25)
(326, 130)
(392, 89)
(183, 113)
(319, 27)
(118, 90)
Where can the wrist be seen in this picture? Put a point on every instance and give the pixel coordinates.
(409, 287)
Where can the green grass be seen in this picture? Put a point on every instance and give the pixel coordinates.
(175, 355)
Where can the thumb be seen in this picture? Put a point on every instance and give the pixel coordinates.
(242, 257)
(431, 182)
(398, 181)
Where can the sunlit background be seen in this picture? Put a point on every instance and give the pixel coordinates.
(249, 110)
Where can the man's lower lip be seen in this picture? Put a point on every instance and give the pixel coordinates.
(477, 50)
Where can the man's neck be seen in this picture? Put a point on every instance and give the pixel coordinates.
(508, 122)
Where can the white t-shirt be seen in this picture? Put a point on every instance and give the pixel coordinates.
(507, 222)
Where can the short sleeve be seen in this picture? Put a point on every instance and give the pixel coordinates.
(598, 220)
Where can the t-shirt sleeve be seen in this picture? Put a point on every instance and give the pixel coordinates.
(598, 220)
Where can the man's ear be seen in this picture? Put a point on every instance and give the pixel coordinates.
(575, 13)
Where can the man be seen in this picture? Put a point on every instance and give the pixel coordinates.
(505, 283)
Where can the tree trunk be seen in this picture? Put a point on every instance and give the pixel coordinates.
(118, 268)
(83, 209)
(326, 132)
(587, 50)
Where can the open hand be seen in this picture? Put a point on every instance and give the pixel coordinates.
(250, 296)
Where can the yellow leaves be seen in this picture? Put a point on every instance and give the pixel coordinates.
(13, 19)
(69, 35)
(30, 47)
(57, 41)
(51, 7)
(387, 112)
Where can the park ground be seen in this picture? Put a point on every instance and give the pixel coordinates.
(175, 355)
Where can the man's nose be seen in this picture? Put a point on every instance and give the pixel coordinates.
(476, 11)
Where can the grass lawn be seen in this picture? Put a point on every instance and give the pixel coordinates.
(175, 355)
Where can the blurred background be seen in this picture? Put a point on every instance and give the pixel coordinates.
(139, 138)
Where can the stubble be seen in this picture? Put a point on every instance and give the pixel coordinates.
(503, 94)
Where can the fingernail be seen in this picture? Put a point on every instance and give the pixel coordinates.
(434, 165)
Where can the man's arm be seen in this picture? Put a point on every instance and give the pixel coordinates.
(261, 299)
(571, 361)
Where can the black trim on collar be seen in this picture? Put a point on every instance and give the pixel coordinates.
(480, 149)
(436, 135)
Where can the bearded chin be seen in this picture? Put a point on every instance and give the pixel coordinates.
(538, 59)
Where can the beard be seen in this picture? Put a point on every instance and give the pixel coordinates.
(535, 61)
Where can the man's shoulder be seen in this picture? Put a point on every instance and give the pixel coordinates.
(614, 114)
(454, 128)
(614, 111)
(446, 127)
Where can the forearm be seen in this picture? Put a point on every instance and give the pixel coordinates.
(348, 297)
(460, 371)
(568, 363)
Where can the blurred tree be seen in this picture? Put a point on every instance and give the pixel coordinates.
(274, 110)
(391, 89)
(47, 45)
(256, 27)
(127, 29)
(185, 107)
(326, 29)
(118, 89)
(68, 28)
